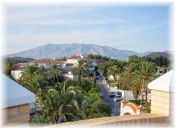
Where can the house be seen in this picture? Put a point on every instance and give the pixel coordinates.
(47, 63)
(21, 65)
(16, 74)
(160, 70)
(19, 69)
(73, 62)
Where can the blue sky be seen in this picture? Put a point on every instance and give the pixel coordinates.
(138, 28)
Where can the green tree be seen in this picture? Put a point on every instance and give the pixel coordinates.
(60, 103)
(28, 74)
(105, 71)
(100, 109)
(81, 70)
(88, 65)
(30, 71)
(145, 72)
(36, 84)
(9, 67)
(94, 80)
(54, 75)
(86, 85)
(114, 70)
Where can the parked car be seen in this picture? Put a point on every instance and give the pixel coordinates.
(112, 94)
(117, 98)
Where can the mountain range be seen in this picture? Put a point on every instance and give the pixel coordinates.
(67, 50)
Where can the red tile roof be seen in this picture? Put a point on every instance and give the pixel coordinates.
(160, 68)
(47, 61)
(76, 57)
(19, 66)
(134, 106)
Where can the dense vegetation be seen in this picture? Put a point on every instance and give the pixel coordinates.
(17, 59)
(71, 100)
(98, 57)
(133, 75)
(61, 100)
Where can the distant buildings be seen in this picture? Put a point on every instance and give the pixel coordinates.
(66, 66)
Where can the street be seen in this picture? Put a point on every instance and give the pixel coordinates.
(109, 100)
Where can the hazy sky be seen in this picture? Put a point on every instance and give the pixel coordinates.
(138, 28)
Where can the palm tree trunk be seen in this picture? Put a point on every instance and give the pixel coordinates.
(141, 97)
(142, 91)
(79, 77)
(146, 96)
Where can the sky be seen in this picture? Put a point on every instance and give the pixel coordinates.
(140, 28)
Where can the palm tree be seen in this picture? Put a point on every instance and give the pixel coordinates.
(62, 103)
(54, 75)
(105, 71)
(36, 84)
(9, 67)
(114, 69)
(135, 86)
(145, 72)
(88, 65)
(81, 70)
(30, 70)
(28, 74)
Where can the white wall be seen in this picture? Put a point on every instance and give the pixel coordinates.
(72, 61)
(126, 109)
(71, 76)
(128, 95)
(16, 74)
(43, 64)
(111, 77)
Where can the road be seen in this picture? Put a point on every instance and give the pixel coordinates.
(109, 100)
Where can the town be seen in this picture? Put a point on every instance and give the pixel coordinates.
(83, 87)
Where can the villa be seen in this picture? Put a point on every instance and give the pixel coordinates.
(47, 63)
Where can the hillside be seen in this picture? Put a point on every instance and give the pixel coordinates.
(67, 50)
(158, 54)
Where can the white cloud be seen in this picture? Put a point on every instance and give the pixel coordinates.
(21, 14)
(69, 22)
(157, 25)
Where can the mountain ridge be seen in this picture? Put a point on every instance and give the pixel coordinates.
(67, 50)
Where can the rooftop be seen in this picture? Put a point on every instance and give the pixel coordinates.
(76, 57)
(104, 121)
(15, 94)
(47, 61)
(164, 82)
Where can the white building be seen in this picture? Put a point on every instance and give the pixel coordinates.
(47, 63)
(73, 62)
(17, 73)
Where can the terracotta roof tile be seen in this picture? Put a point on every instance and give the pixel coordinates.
(47, 61)
(133, 106)
(76, 57)
(160, 68)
